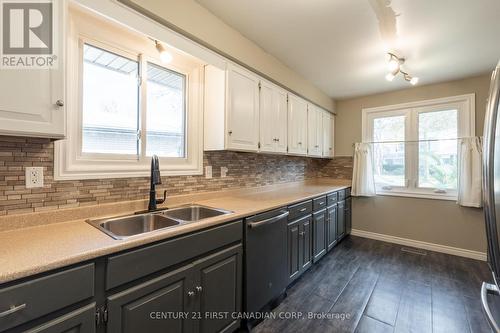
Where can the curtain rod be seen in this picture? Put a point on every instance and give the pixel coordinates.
(417, 141)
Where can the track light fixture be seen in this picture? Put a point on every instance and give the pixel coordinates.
(394, 64)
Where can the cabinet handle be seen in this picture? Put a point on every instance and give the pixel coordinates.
(12, 310)
(230, 132)
(303, 209)
(191, 293)
(302, 233)
(277, 140)
(300, 143)
(60, 103)
(199, 289)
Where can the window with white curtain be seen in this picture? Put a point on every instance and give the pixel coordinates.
(415, 147)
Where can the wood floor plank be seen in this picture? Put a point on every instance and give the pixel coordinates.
(475, 315)
(352, 301)
(448, 313)
(370, 325)
(384, 301)
(361, 278)
(415, 309)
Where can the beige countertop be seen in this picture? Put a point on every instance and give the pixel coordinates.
(39, 242)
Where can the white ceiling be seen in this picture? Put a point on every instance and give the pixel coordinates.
(337, 44)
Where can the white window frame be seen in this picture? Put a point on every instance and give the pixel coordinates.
(71, 164)
(464, 104)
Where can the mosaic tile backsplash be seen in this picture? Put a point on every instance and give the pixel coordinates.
(245, 170)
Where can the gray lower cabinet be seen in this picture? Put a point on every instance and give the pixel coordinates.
(78, 321)
(319, 234)
(299, 237)
(331, 226)
(219, 282)
(182, 300)
(341, 227)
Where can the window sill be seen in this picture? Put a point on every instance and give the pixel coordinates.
(419, 195)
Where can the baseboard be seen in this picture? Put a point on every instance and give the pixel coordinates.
(421, 245)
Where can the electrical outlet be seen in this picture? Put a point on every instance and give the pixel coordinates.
(208, 172)
(223, 172)
(34, 177)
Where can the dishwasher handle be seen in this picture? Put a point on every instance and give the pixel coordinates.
(488, 288)
(268, 221)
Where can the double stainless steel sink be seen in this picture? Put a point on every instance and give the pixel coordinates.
(132, 225)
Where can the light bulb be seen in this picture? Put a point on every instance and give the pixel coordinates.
(165, 56)
(390, 77)
(414, 80)
(393, 65)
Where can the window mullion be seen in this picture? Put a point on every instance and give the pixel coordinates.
(142, 107)
(412, 150)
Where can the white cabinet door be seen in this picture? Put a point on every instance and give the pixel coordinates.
(327, 134)
(242, 110)
(267, 117)
(297, 125)
(28, 97)
(315, 131)
(273, 118)
(281, 122)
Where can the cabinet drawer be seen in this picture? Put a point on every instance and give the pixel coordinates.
(341, 195)
(129, 266)
(44, 295)
(319, 203)
(332, 198)
(300, 209)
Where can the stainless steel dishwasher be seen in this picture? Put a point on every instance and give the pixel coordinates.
(265, 258)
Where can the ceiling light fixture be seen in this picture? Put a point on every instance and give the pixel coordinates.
(394, 65)
(165, 56)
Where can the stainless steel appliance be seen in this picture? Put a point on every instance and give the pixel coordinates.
(490, 292)
(265, 259)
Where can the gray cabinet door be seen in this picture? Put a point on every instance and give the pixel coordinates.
(332, 226)
(78, 321)
(154, 306)
(319, 235)
(340, 220)
(348, 216)
(294, 249)
(305, 244)
(218, 289)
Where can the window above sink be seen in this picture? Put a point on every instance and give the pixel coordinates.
(126, 104)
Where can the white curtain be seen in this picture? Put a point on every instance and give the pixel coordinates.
(363, 183)
(470, 172)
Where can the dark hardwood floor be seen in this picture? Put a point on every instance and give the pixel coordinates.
(371, 286)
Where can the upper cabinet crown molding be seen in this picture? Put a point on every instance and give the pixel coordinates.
(32, 100)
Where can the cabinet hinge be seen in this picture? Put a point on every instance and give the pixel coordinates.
(260, 85)
(101, 315)
(258, 145)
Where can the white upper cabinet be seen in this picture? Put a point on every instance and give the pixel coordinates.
(32, 100)
(328, 128)
(273, 118)
(242, 110)
(315, 131)
(231, 109)
(297, 125)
